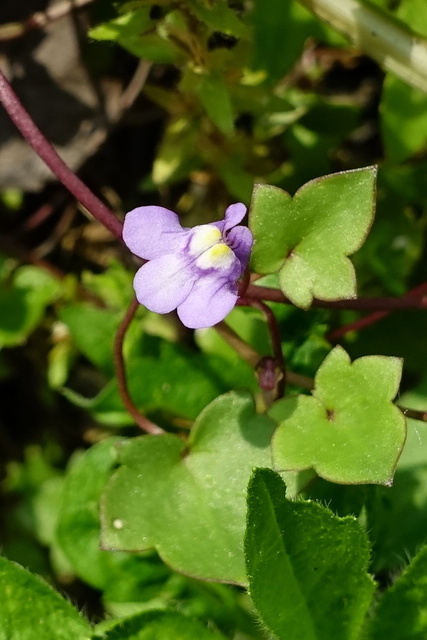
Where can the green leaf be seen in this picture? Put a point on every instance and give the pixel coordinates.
(218, 17)
(403, 119)
(176, 155)
(274, 50)
(403, 108)
(401, 613)
(213, 94)
(280, 32)
(348, 430)
(176, 381)
(308, 237)
(188, 501)
(29, 608)
(133, 31)
(125, 26)
(157, 625)
(78, 529)
(406, 501)
(93, 330)
(306, 567)
(23, 303)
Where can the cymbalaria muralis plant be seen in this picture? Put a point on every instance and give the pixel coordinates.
(248, 431)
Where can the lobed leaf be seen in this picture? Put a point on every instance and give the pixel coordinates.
(189, 502)
(348, 430)
(308, 237)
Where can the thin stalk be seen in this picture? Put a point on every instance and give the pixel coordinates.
(368, 304)
(40, 19)
(47, 153)
(142, 422)
(276, 343)
(385, 39)
(414, 414)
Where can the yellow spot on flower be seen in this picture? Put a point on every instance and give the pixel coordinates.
(217, 257)
(204, 238)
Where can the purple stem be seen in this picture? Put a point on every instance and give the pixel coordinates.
(143, 423)
(47, 153)
(372, 304)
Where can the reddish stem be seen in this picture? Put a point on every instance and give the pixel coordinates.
(142, 422)
(374, 304)
(366, 321)
(47, 153)
(274, 332)
(414, 414)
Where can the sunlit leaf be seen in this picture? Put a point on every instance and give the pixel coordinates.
(308, 237)
(307, 568)
(188, 500)
(29, 607)
(348, 430)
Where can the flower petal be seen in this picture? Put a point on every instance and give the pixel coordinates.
(162, 285)
(240, 241)
(234, 214)
(209, 301)
(151, 232)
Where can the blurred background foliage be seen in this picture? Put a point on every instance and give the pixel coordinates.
(196, 100)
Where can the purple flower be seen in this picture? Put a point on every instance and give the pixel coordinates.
(192, 270)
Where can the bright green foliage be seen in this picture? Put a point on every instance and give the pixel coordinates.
(92, 330)
(404, 108)
(170, 379)
(214, 97)
(156, 625)
(405, 502)
(118, 575)
(407, 135)
(188, 501)
(29, 608)
(308, 237)
(23, 303)
(274, 50)
(307, 569)
(348, 430)
(401, 613)
(218, 16)
(136, 32)
(225, 94)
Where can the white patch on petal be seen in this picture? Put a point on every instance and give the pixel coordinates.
(203, 238)
(220, 256)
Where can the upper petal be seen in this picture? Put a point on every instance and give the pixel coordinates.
(151, 232)
(209, 301)
(164, 283)
(240, 241)
(234, 214)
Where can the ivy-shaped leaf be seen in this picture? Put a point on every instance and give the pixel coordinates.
(187, 500)
(307, 568)
(348, 430)
(308, 237)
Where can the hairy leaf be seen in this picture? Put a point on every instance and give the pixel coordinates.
(306, 567)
